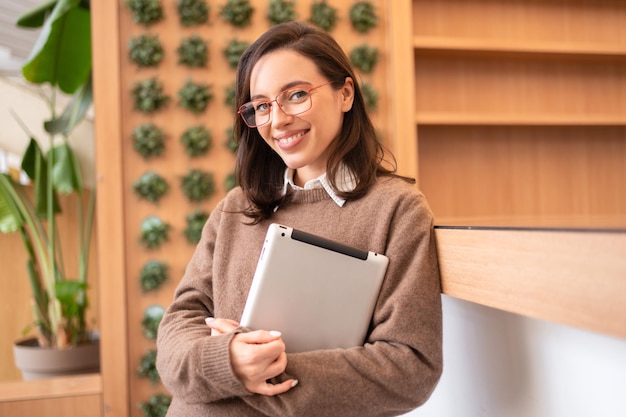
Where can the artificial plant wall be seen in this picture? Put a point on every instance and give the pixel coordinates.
(178, 74)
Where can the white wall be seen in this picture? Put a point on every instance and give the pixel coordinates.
(498, 364)
(25, 101)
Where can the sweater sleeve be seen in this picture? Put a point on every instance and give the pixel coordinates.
(401, 362)
(193, 365)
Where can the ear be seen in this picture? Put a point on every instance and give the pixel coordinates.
(347, 95)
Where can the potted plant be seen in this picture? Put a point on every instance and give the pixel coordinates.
(61, 59)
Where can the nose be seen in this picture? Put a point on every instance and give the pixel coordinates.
(279, 117)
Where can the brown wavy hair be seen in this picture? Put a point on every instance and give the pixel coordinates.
(260, 170)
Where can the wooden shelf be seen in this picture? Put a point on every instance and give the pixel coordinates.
(51, 388)
(581, 222)
(450, 44)
(569, 277)
(518, 119)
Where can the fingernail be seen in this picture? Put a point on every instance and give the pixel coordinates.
(208, 320)
(294, 383)
(275, 333)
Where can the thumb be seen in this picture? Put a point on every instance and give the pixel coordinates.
(260, 336)
(221, 326)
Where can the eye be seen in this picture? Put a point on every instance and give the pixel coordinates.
(261, 107)
(297, 95)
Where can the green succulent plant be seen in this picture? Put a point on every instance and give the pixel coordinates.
(229, 96)
(280, 11)
(145, 12)
(148, 140)
(231, 142)
(370, 95)
(230, 181)
(237, 12)
(233, 52)
(195, 223)
(363, 16)
(154, 232)
(197, 140)
(195, 97)
(153, 275)
(192, 12)
(148, 95)
(156, 406)
(198, 185)
(193, 52)
(364, 58)
(145, 50)
(151, 186)
(147, 367)
(323, 15)
(150, 322)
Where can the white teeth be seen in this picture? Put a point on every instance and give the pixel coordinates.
(290, 139)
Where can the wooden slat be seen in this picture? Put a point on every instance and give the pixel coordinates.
(576, 278)
(519, 119)
(461, 44)
(402, 87)
(113, 327)
(76, 406)
(50, 388)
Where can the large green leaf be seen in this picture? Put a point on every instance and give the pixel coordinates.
(70, 292)
(35, 166)
(10, 218)
(73, 113)
(36, 17)
(32, 157)
(62, 54)
(66, 175)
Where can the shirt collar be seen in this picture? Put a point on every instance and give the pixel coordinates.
(344, 179)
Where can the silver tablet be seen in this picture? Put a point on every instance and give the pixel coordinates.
(318, 293)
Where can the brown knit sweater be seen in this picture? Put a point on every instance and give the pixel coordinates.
(397, 368)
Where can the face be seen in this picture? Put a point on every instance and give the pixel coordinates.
(301, 140)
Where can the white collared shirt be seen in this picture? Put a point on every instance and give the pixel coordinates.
(345, 182)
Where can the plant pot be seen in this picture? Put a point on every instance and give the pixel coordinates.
(36, 362)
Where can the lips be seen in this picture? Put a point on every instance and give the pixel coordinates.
(289, 140)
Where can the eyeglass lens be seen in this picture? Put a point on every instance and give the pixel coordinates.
(292, 102)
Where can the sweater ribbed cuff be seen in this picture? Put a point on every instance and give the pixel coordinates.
(216, 365)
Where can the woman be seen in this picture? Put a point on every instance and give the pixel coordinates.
(308, 158)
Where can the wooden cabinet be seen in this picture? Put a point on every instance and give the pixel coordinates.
(72, 396)
(519, 109)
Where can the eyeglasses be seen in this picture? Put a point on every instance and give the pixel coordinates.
(292, 101)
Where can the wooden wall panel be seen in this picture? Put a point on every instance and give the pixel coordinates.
(579, 22)
(73, 396)
(111, 245)
(512, 90)
(174, 164)
(79, 406)
(506, 172)
(15, 298)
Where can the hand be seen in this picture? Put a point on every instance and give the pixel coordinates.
(257, 357)
(221, 326)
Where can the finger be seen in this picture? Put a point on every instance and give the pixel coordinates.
(220, 326)
(275, 389)
(260, 336)
(276, 367)
(255, 350)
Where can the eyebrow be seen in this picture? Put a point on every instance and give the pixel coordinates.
(283, 88)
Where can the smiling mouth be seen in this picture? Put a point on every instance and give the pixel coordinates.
(287, 141)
